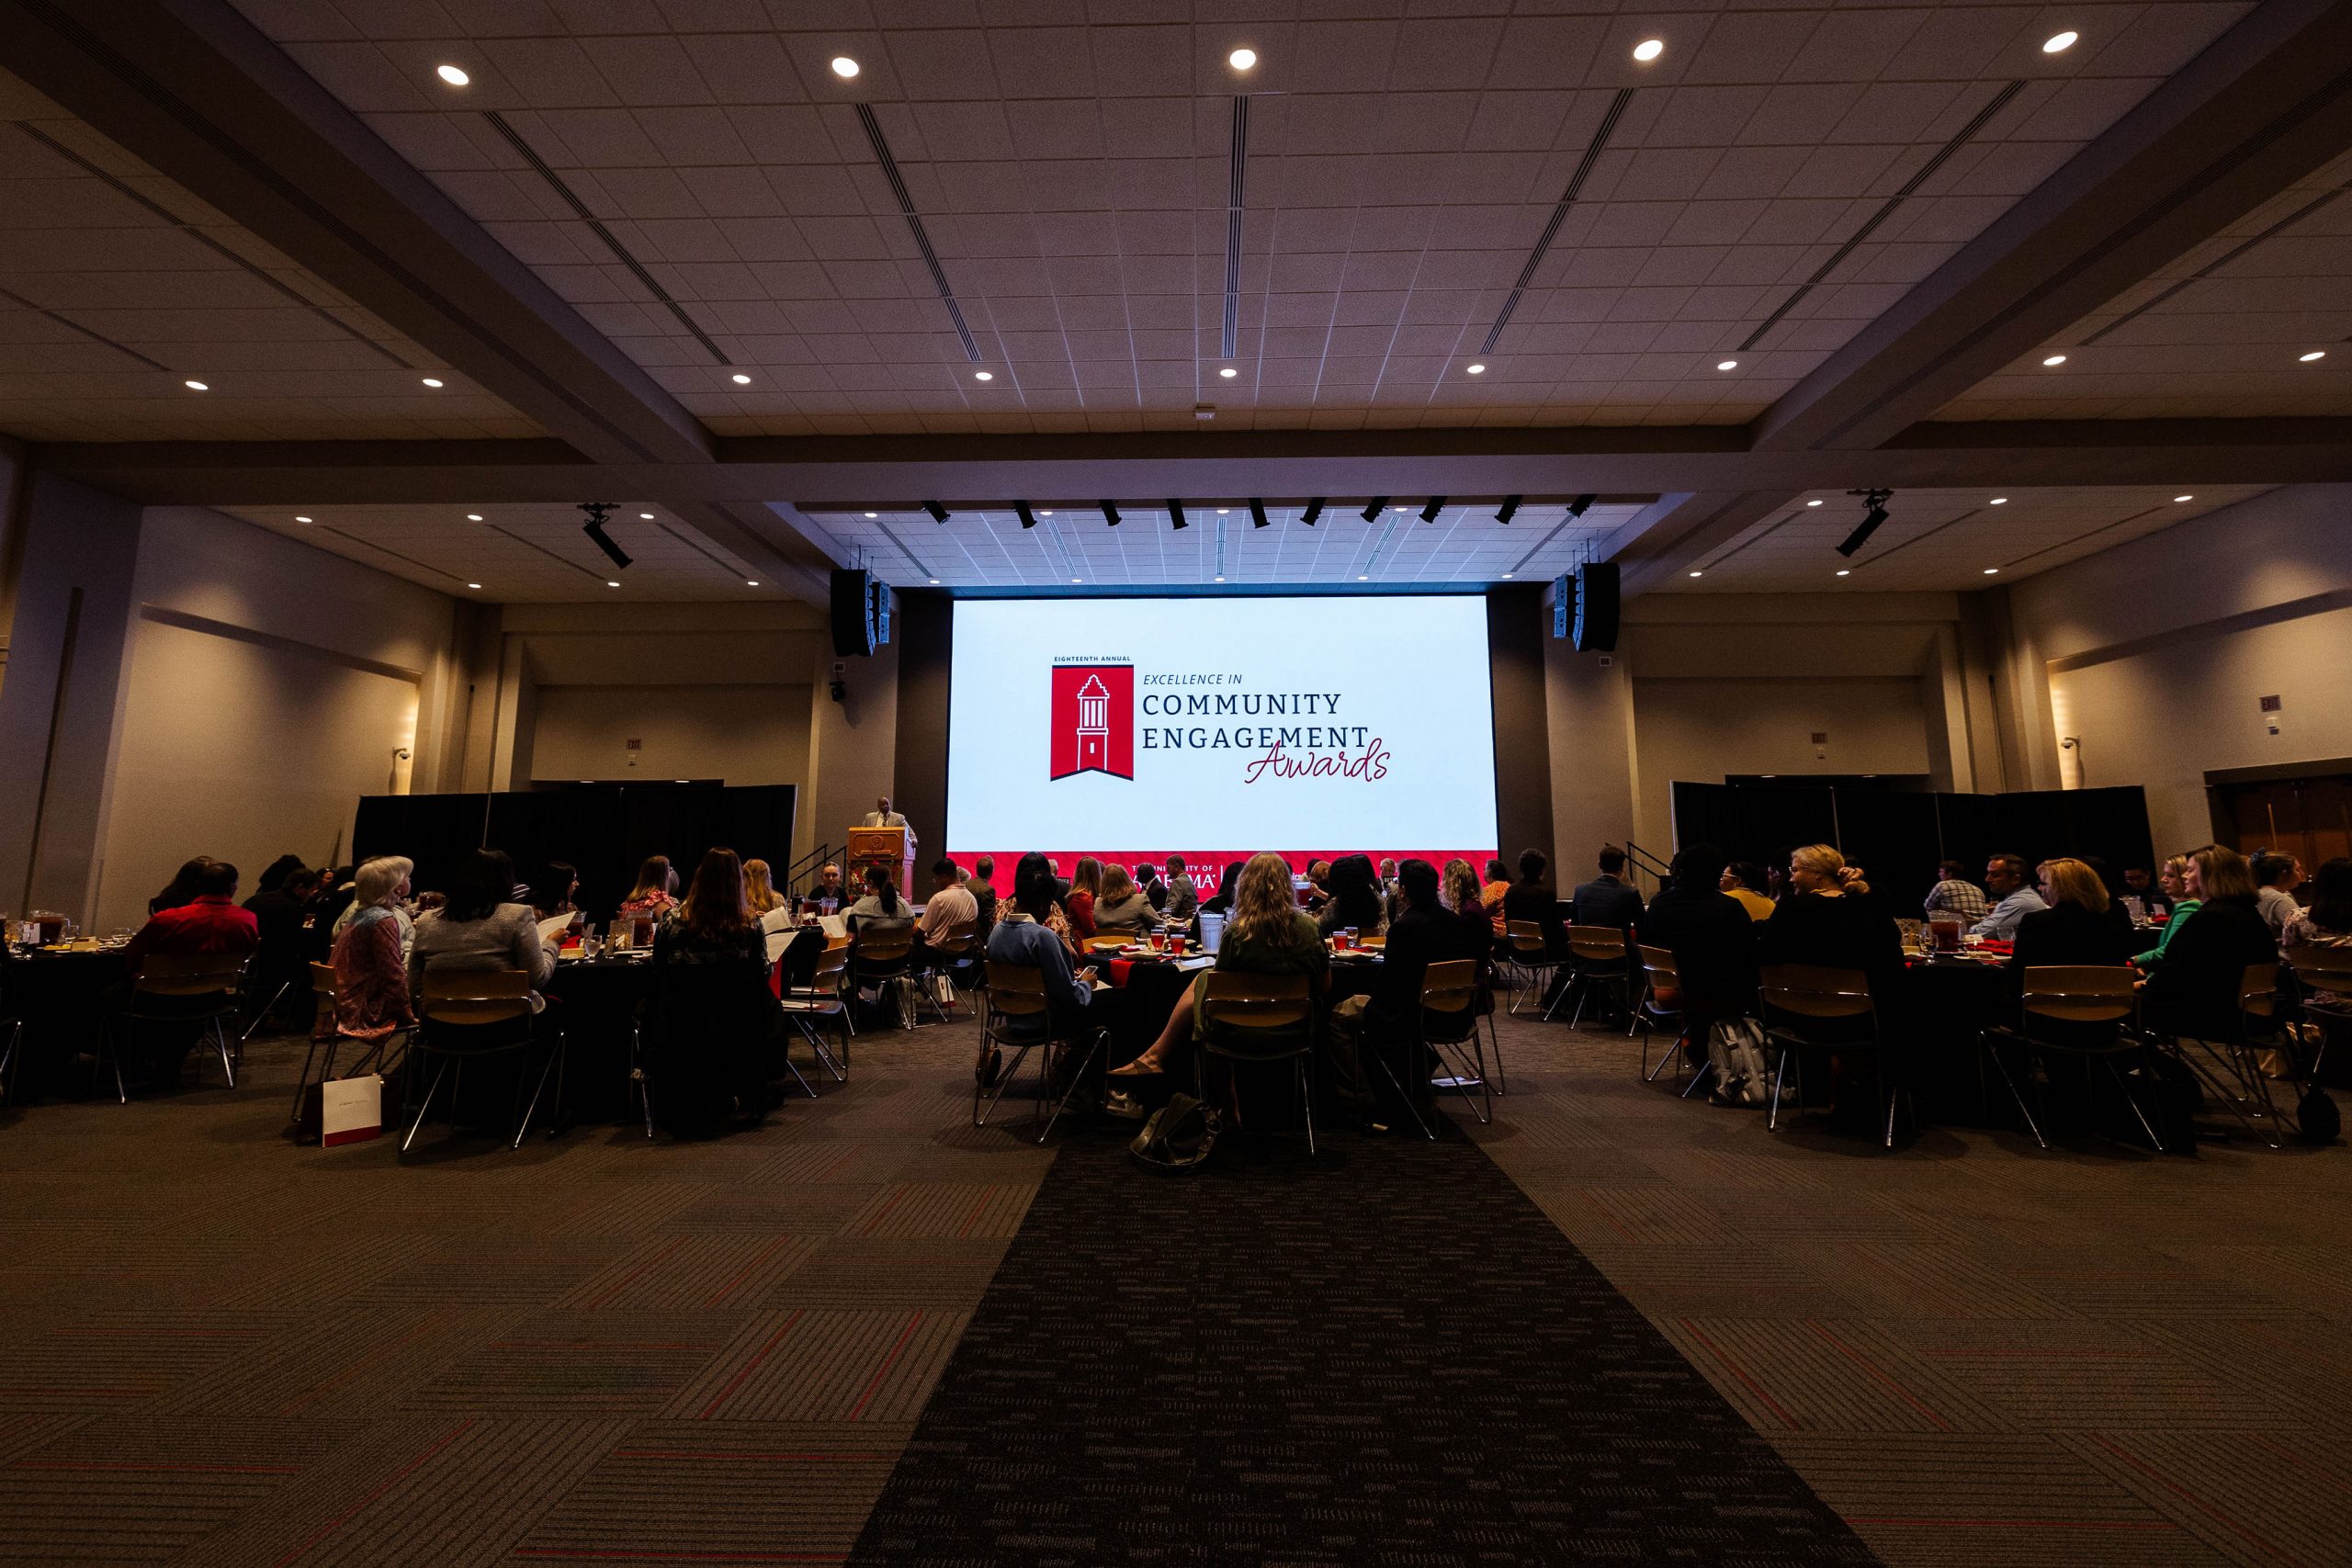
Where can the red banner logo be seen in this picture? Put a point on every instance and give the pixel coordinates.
(1093, 720)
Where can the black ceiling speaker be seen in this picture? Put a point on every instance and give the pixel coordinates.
(852, 613)
(1596, 629)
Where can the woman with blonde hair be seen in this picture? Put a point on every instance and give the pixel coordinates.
(1266, 934)
(2195, 991)
(1121, 906)
(1830, 918)
(758, 888)
(2074, 929)
(656, 892)
(2173, 876)
(1466, 896)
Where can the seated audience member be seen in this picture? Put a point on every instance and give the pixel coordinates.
(2138, 884)
(2327, 923)
(1122, 909)
(280, 960)
(1155, 892)
(321, 909)
(1183, 899)
(206, 920)
(879, 908)
(1463, 897)
(2194, 991)
(656, 892)
(1608, 899)
(1021, 937)
(2174, 876)
(371, 988)
(711, 1030)
(1831, 920)
(1490, 893)
(1317, 891)
(1266, 933)
(553, 886)
(1353, 899)
(758, 888)
(1061, 882)
(951, 903)
(829, 885)
(1078, 904)
(2073, 928)
(1953, 893)
(1532, 898)
(1386, 878)
(2004, 879)
(1745, 882)
(1424, 934)
(2276, 876)
(479, 927)
(1712, 939)
(982, 887)
(1227, 884)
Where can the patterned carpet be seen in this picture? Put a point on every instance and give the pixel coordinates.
(1383, 1354)
(219, 1347)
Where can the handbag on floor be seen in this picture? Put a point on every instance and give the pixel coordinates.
(1178, 1137)
(1736, 1046)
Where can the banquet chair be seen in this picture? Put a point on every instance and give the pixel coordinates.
(882, 956)
(199, 988)
(322, 988)
(820, 1002)
(1448, 1027)
(1804, 1006)
(13, 1030)
(1525, 960)
(2228, 1067)
(1259, 1019)
(950, 952)
(1018, 1016)
(1596, 962)
(468, 1015)
(1661, 980)
(2087, 1012)
(2324, 979)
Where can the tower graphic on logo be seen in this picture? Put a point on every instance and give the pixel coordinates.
(1092, 724)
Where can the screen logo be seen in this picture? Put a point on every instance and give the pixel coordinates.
(1093, 721)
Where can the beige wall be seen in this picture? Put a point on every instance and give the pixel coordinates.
(266, 686)
(1698, 731)
(741, 735)
(2155, 655)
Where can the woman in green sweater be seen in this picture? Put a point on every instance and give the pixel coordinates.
(2174, 876)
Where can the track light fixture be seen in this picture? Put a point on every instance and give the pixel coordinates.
(1874, 504)
(1508, 510)
(1176, 514)
(1581, 505)
(938, 513)
(1436, 505)
(1371, 509)
(1314, 509)
(594, 529)
(1109, 513)
(1256, 513)
(1021, 510)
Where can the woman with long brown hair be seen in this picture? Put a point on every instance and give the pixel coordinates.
(2195, 991)
(656, 892)
(1078, 904)
(1267, 934)
(712, 1008)
(758, 888)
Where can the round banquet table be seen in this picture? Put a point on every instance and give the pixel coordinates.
(597, 998)
(61, 994)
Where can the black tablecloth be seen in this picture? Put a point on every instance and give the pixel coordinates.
(60, 996)
(596, 1002)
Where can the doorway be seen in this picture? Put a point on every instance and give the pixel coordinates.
(2303, 809)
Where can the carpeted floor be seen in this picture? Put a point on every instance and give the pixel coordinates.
(218, 1348)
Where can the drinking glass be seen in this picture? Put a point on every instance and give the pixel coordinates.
(1158, 942)
(1176, 945)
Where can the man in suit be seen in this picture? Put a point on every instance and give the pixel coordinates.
(883, 817)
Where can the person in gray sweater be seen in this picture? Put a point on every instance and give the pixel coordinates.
(480, 928)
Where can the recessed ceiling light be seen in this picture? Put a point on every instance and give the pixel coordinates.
(1698, 574)
(2181, 498)
(2314, 353)
(2056, 359)
(1812, 504)
(196, 386)
(1845, 571)
(300, 518)
(1728, 365)
(1505, 577)
(1078, 579)
(648, 516)
(983, 375)
(935, 582)
(740, 379)
(473, 585)
(1044, 514)
(1229, 372)
(1400, 509)
(1362, 579)
(451, 74)
(1242, 59)
(1649, 48)
(1220, 580)
(611, 585)
(845, 67)
(1998, 501)
(2058, 43)
(473, 516)
(1477, 370)
(751, 583)
(1224, 510)
(433, 381)
(1991, 570)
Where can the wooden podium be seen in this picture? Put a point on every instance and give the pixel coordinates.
(892, 849)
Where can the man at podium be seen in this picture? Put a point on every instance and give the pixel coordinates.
(883, 817)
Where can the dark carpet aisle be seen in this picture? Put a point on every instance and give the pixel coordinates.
(1382, 1355)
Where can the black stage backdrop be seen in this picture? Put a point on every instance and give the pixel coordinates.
(1897, 836)
(604, 831)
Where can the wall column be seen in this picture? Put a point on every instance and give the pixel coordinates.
(853, 748)
(1589, 699)
(78, 550)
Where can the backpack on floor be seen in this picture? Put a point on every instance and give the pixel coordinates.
(1178, 1137)
(1743, 1076)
